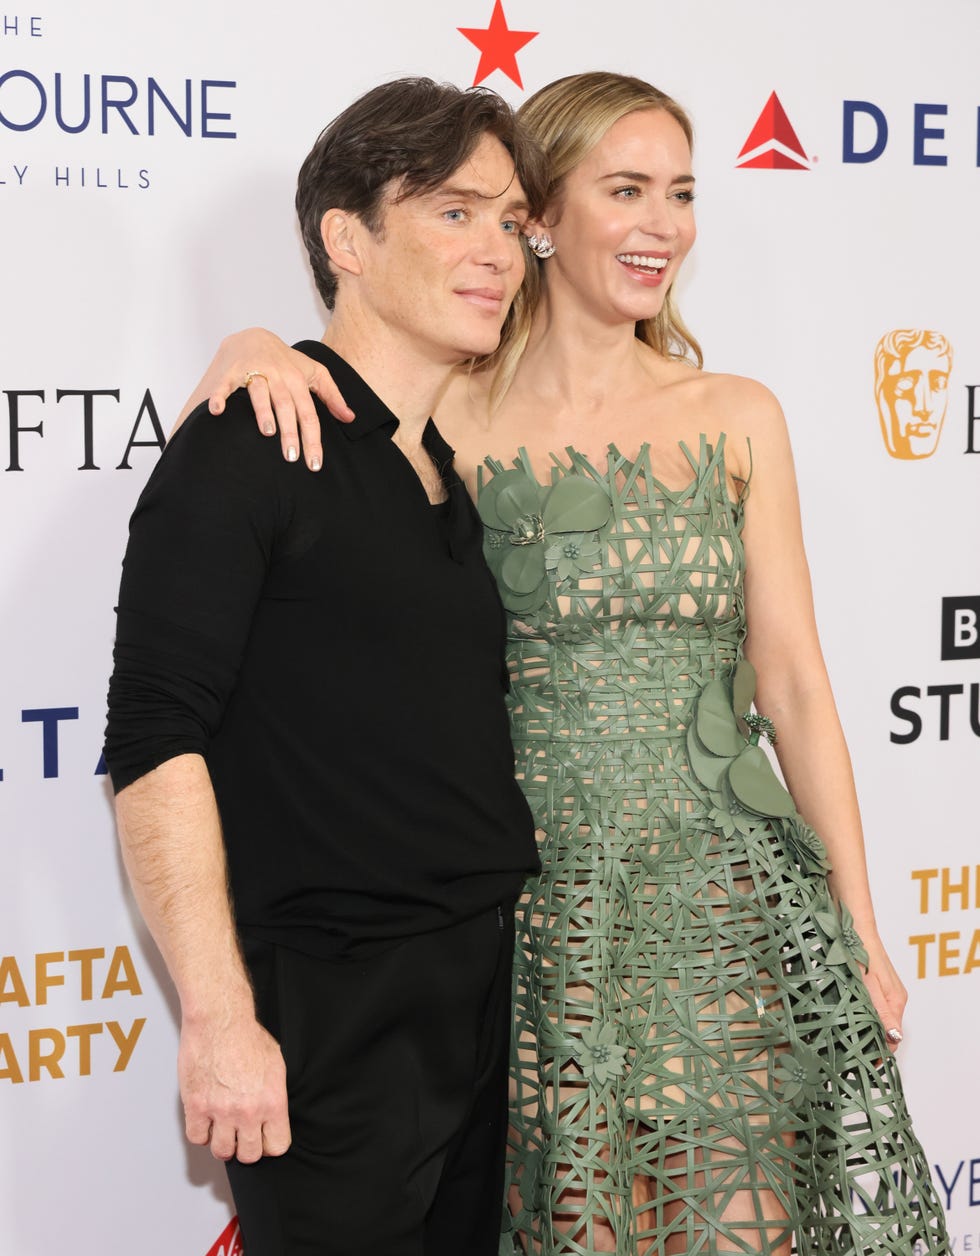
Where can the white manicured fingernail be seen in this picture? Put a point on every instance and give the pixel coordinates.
(291, 454)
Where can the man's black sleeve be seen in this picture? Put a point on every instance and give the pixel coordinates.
(200, 544)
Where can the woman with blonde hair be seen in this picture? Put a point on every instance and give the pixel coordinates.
(705, 1012)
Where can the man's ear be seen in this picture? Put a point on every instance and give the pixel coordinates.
(341, 233)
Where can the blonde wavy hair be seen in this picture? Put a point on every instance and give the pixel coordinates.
(567, 119)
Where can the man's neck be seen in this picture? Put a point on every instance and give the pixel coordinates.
(403, 377)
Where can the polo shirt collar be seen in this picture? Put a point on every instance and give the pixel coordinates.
(370, 412)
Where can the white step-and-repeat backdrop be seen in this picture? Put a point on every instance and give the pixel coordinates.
(147, 164)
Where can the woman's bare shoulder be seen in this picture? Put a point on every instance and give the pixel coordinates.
(737, 394)
(735, 404)
(688, 403)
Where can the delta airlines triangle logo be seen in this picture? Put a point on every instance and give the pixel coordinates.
(229, 1241)
(772, 142)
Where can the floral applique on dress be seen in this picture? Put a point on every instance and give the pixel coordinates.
(535, 537)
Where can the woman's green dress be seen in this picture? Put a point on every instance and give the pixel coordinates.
(697, 1066)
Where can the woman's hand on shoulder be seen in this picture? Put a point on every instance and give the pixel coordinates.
(280, 381)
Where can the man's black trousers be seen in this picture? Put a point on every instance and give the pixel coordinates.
(396, 1065)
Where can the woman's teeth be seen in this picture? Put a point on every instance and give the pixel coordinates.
(637, 259)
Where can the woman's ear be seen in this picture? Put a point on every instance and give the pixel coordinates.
(538, 238)
(340, 231)
(535, 227)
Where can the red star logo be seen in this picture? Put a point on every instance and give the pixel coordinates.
(498, 46)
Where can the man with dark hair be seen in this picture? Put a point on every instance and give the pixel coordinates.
(307, 734)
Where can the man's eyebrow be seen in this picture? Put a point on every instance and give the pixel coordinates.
(471, 194)
(637, 176)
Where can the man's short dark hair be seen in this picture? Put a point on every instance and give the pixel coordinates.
(412, 130)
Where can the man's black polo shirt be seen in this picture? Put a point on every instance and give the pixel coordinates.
(332, 644)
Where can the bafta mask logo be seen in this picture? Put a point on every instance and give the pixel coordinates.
(911, 380)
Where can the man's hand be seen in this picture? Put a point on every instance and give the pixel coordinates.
(232, 1074)
(233, 1085)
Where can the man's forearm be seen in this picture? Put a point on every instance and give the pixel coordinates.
(170, 833)
(232, 1074)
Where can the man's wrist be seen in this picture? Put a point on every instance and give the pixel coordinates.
(223, 1003)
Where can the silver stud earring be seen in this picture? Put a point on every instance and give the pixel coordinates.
(541, 246)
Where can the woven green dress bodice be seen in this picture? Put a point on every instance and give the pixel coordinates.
(697, 1067)
(626, 622)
